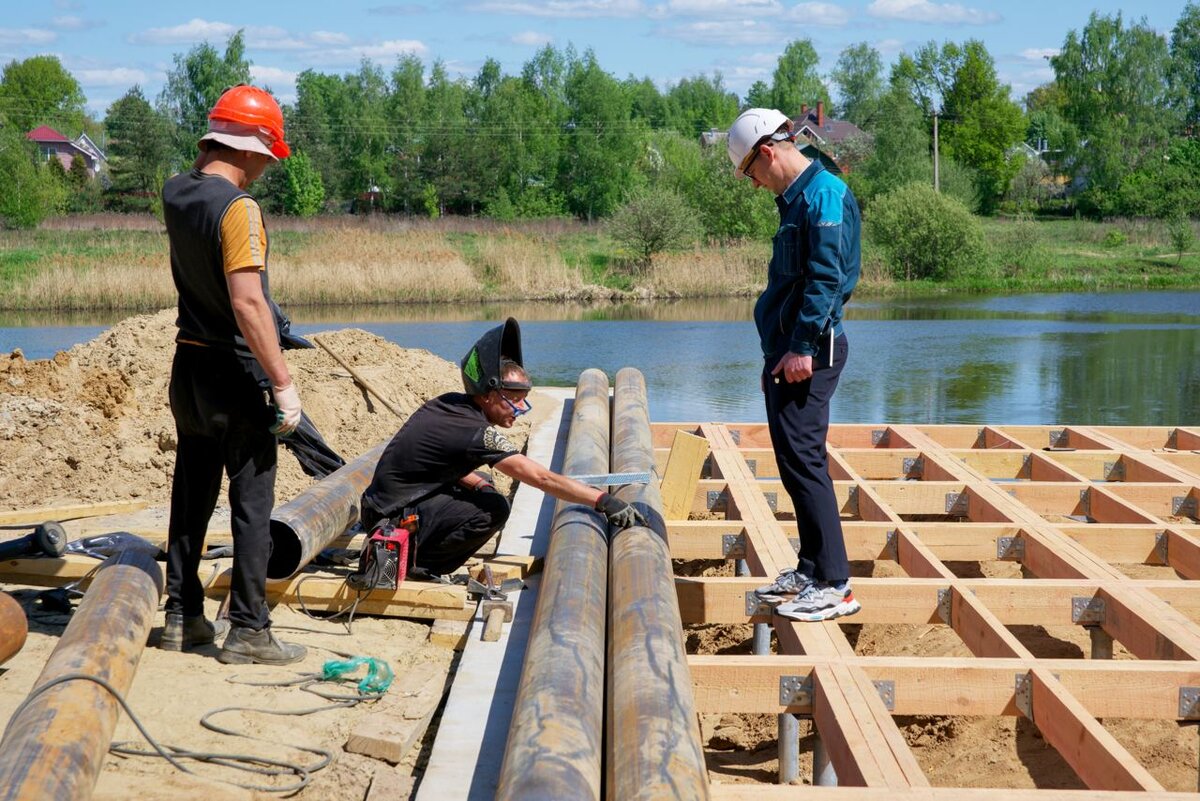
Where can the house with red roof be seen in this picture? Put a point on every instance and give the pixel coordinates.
(52, 144)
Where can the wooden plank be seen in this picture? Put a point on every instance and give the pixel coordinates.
(979, 629)
(391, 784)
(507, 566)
(40, 514)
(846, 743)
(917, 560)
(450, 633)
(948, 685)
(1094, 754)
(773, 792)
(399, 719)
(45, 572)
(678, 486)
(1183, 553)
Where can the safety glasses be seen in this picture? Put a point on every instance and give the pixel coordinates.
(518, 407)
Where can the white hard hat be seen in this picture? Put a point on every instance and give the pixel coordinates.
(751, 127)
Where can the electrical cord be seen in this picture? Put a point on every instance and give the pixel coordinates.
(248, 763)
(347, 613)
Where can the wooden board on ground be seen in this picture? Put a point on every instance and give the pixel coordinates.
(41, 514)
(391, 784)
(507, 566)
(400, 718)
(450, 633)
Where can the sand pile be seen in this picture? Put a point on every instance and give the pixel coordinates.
(93, 423)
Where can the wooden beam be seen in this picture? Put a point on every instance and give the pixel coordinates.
(678, 487)
(1094, 754)
(773, 792)
(40, 514)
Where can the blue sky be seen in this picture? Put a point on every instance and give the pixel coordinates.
(111, 45)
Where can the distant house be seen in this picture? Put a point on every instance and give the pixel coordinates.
(52, 144)
(818, 137)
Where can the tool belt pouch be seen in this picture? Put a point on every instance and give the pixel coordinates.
(387, 556)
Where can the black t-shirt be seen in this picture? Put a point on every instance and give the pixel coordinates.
(448, 437)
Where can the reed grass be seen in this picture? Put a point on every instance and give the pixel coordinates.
(732, 269)
(523, 266)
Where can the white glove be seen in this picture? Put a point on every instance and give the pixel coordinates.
(287, 410)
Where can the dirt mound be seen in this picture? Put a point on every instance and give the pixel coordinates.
(94, 424)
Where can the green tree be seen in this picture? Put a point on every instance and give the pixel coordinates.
(1185, 64)
(759, 95)
(1114, 79)
(902, 149)
(303, 192)
(697, 104)
(653, 220)
(795, 82)
(39, 91)
(139, 150)
(1181, 234)
(859, 78)
(31, 191)
(193, 86)
(926, 234)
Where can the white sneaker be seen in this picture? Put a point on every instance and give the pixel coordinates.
(820, 601)
(786, 586)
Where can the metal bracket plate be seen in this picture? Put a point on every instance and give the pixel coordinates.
(717, 500)
(772, 500)
(795, 543)
(958, 503)
(893, 545)
(1161, 540)
(795, 691)
(735, 435)
(1184, 506)
(1087, 610)
(1023, 694)
(1058, 438)
(1189, 703)
(753, 465)
(852, 500)
(755, 607)
(945, 605)
(733, 546)
(1085, 502)
(1026, 467)
(887, 693)
(1114, 471)
(879, 436)
(1010, 549)
(913, 467)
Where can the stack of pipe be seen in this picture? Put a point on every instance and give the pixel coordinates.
(14, 628)
(654, 748)
(555, 741)
(55, 743)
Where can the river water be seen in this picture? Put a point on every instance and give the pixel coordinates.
(1114, 358)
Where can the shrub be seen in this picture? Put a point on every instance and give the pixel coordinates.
(1179, 231)
(651, 221)
(1114, 238)
(926, 234)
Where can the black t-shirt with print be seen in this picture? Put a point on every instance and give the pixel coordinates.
(444, 440)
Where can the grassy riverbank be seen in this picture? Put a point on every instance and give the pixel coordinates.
(114, 262)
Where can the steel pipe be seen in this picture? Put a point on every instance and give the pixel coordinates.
(555, 741)
(55, 743)
(654, 748)
(14, 627)
(305, 525)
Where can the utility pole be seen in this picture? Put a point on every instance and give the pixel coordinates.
(937, 183)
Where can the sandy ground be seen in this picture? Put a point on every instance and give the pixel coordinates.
(92, 425)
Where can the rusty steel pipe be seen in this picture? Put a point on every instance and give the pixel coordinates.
(556, 741)
(654, 748)
(305, 525)
(55, 743)
(14, 627)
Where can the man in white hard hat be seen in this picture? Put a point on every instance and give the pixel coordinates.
(814, 267)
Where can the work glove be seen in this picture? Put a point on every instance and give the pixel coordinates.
(287, 410)
(619, 513)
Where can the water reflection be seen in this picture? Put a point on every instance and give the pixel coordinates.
(1119, 358)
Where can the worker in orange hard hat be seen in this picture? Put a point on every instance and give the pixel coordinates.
(231, 392)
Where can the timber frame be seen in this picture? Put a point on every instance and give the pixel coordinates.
(1075, 506)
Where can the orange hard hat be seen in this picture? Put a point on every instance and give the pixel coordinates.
(254, 108)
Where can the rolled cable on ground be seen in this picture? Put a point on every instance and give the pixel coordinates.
(556, 740)
(654, 749)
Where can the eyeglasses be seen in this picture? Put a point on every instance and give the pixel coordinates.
(518, 407)
(766, 140)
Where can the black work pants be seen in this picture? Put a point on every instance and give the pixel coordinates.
(221, 421)
(798, 419)
(453, 524)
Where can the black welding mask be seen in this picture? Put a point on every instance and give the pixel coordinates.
(481, 365)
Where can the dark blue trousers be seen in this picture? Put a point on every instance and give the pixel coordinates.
(798, 419)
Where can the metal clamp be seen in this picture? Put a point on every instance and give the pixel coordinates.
(1087, 610)
(795, 690)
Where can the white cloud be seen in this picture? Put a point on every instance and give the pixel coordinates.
(562, 8)
(196, 30)
(330, 38)
(26, 36)
(889, 47)
(926, 11)
(720, 8)
(73, 23)
(1038, 53)
(822, 14)
(353, 54)
(730, 33)
(272, 75)
(117, 76)
(399, 10)
(68, 5)
(531, 39)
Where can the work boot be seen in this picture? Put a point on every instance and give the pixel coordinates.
(244, 645)
(186, 631)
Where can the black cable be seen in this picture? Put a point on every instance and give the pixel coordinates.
(349, 623)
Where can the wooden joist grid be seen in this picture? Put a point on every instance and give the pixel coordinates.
(1100, 527)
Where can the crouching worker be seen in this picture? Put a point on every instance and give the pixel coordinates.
(428, 468)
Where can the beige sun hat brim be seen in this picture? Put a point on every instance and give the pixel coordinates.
(249, 143)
